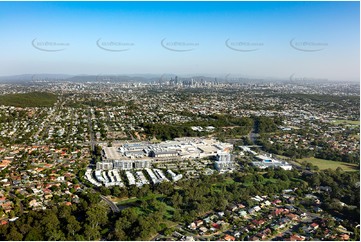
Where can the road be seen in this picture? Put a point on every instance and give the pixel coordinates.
(91, 133)
(58, 106)
(252, 135)
(114, 207)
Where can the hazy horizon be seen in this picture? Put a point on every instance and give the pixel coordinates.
(272, 40)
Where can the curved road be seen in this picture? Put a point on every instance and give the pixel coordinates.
(114, 207)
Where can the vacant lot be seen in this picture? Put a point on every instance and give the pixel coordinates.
(325, 164)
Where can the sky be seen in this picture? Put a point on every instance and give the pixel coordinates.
(319, 40)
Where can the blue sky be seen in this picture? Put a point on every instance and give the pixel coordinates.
(307, 39)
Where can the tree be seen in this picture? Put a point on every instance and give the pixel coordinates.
(177, 215)
(177, 200)
(79, 237)
(12, 214)
(144, 191)
(105, 191)
(24, 228)
(73, 225)
(119, 231)
(133, 191)
(93, 197)
(64, 211)
(270, 174)
(221, 203)
(51, 225)
(91, 233)
(356, 234)
(168, 231)
(165, 188)
(130, 215)
(97, 214)
(116, 191)
(14, 235)
(145, 228)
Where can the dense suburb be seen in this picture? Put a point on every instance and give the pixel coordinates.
(50, 137)
(158, 207)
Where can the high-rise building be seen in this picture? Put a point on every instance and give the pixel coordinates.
(224, 161)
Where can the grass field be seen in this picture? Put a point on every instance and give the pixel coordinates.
(325, 164)
(350, 122)
(122, 200)
(32, 99)
(135, 202)
(265, 181)
(134, 199)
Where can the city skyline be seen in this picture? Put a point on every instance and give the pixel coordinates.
(250, 39)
